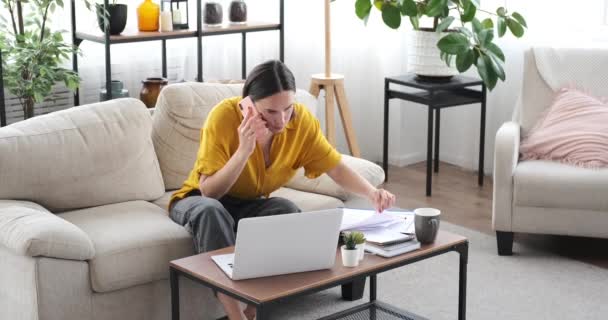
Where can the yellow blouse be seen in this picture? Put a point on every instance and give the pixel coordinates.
(300, 144)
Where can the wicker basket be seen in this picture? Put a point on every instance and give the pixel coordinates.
(423, 55)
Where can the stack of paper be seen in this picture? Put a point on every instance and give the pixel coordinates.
(393, 250)
(382, 230)
(362, 220)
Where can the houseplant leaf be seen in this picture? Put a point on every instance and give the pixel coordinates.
(391, 16)
(445, 23)
(378, 4)
(435, 7)
(519, 19)
(485, 36)
(501, 26)
(477, 27)
(465, 31)
(487, 23)
(453, 43)
(497, 66)
(496, 51)
(363, 8)
(415, 22)
(469, 12)
(516, 28)
(501, 11)
(486, 72)
(465, 60)
(408, 8)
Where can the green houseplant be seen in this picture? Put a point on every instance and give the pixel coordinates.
(470, 40)
(32, 54)
(350, 252)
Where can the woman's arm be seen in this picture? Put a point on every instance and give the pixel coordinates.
(217, 185)
(350, 180)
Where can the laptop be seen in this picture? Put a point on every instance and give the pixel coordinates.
(289, 243)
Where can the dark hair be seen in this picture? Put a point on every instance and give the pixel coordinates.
(267, 79)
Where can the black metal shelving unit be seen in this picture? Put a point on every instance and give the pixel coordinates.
(201, 31)
(2, 105)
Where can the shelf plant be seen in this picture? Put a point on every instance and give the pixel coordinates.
(33, 54)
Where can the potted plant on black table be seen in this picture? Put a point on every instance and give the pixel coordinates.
(455, 38)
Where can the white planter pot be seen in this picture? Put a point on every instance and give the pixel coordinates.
(424, 56)
(350, 258)
(361, 249)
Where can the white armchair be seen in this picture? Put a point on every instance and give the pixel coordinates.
(542, 196)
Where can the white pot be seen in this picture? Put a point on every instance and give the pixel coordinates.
(424, 56)
(361, 249)
(350, 258)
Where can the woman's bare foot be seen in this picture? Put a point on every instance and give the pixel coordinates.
(232, 308)
(249, 312)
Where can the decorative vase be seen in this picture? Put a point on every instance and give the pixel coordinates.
(424, 59)
(350, 258)
(118, 91)
(148, 14)
(238, 11)
(213, 14)
(118, 17)
(150, 89)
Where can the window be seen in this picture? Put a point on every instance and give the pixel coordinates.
(605, 12)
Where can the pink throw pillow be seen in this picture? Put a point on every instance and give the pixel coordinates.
(574, 130)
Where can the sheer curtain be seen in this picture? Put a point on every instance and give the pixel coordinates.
(364, 54)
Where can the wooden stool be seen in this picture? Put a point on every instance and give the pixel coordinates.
(334, 88)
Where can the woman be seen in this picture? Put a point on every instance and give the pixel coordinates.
(246, 154)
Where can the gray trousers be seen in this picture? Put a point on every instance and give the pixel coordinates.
(213, 223)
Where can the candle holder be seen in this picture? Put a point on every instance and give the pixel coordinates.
(179, 12)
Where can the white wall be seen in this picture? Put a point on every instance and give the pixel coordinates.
(365, 55)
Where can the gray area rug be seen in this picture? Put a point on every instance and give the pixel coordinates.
(528, 285)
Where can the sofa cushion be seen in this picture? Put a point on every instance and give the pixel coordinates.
(163, 201)
(325, 185)
(30, 230)
(307, 201)
(81, 157)
(540, 183)
(180, 112)
(134, 242)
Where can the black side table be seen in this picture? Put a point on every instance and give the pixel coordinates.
(436, 95)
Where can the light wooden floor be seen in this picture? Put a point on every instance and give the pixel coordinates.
(462, 202)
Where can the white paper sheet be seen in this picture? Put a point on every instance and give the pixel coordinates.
(379, 227)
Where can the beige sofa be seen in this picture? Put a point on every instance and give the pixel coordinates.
(84, 232)
(543, 196)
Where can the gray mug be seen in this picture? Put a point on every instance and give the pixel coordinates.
(427, 224)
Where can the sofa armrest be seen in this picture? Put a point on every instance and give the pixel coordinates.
(506, 155)
(326, 185)
(28, 229)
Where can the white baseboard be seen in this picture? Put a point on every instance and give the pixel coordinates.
(415, 157)
(406, 159)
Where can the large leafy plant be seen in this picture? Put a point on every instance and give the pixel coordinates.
(471, 41)
(32, 54)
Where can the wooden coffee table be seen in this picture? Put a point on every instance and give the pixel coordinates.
(263, 292)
